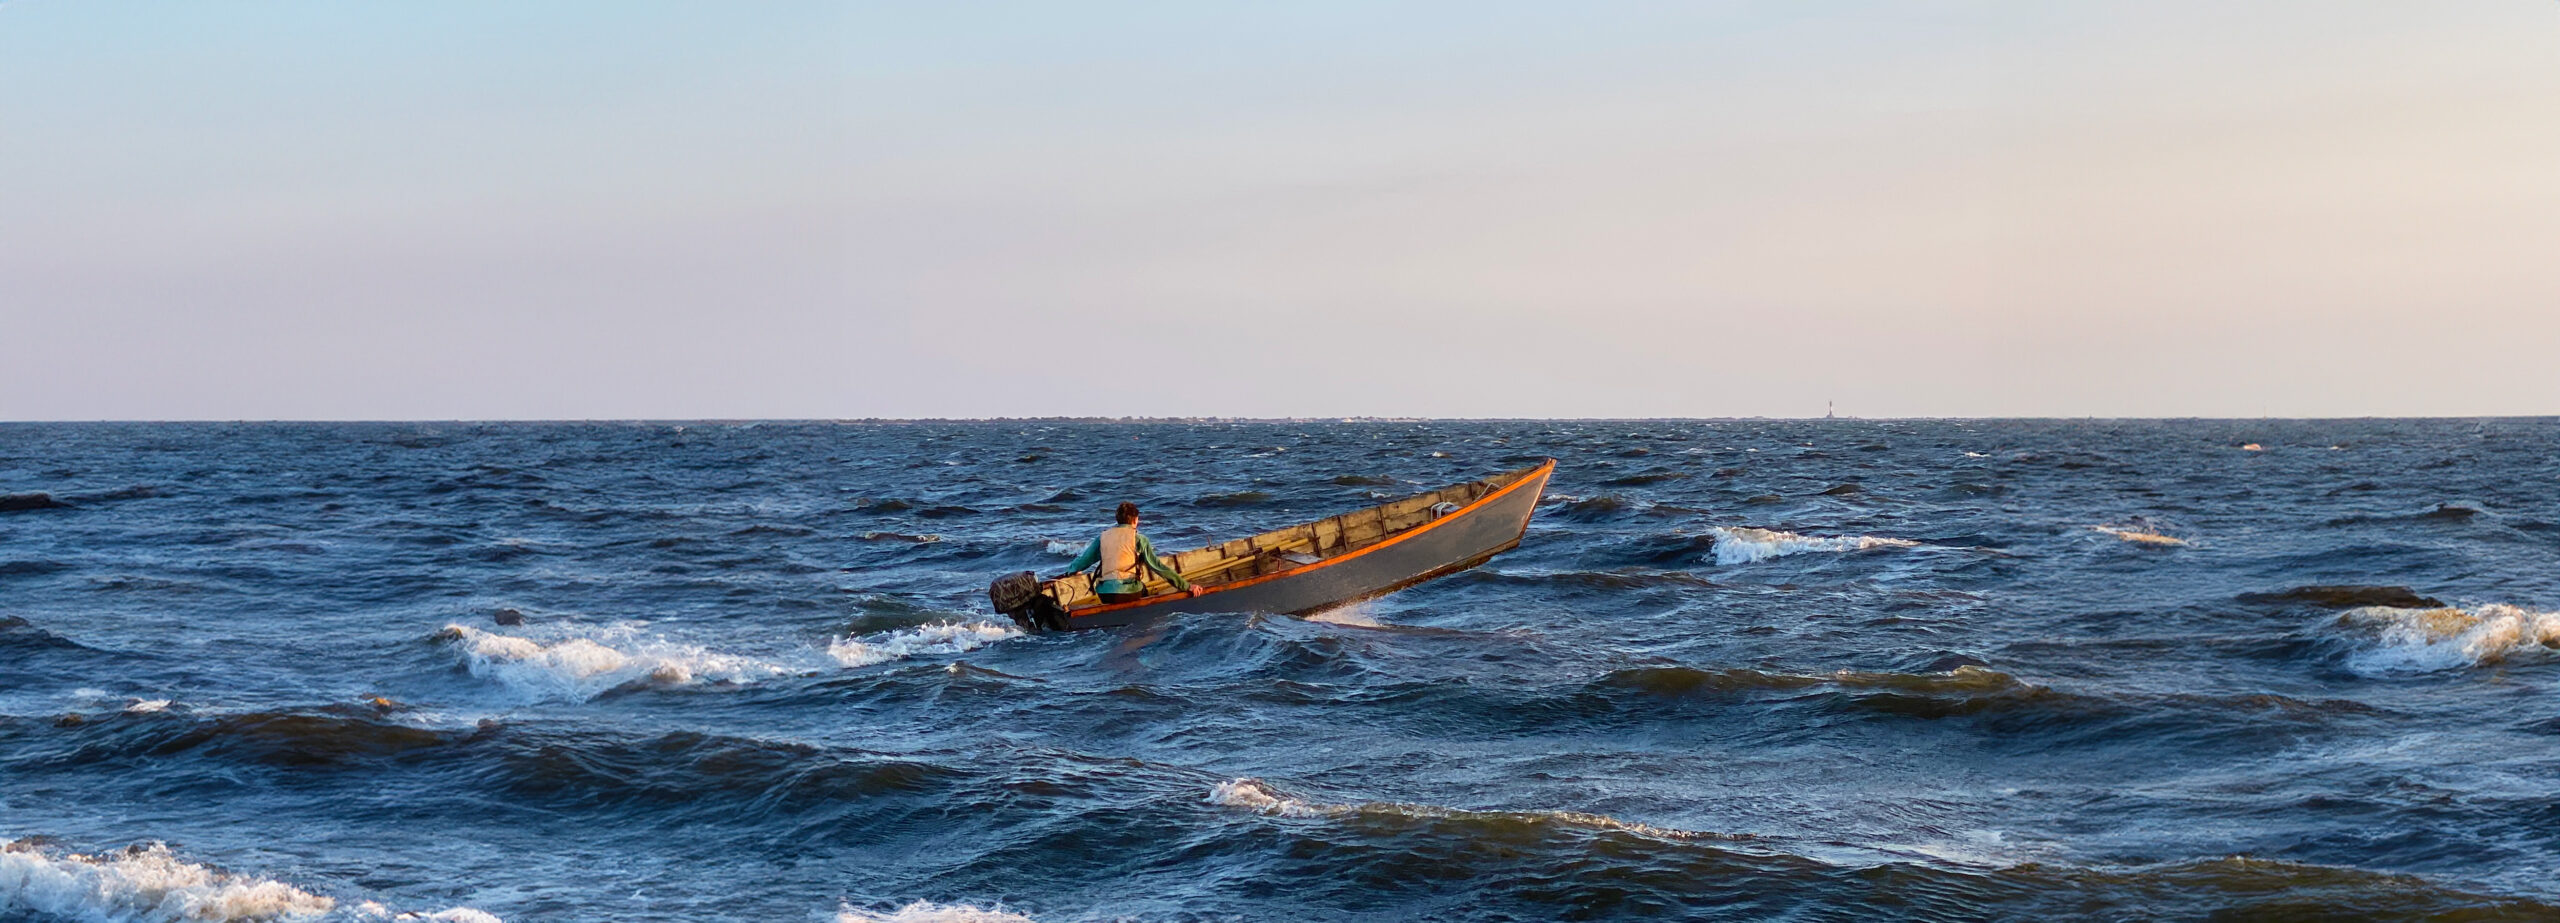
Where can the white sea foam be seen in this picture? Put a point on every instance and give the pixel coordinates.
(1252, 795)
(1742, 545)
(930, 912)
(580, 668)
(1355, 615)
(2417, 640)
(2144, 537)
(142, 706)
(139, 884)
(938, 638)
(1064, 549)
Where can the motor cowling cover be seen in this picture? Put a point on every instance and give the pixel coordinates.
(1013, 593)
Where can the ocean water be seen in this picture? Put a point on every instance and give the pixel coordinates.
(1810, 670)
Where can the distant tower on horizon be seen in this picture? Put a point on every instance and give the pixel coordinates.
(1827, 412)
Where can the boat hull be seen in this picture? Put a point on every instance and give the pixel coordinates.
(1453, 543)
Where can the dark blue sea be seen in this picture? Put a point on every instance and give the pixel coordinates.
(1737, 670)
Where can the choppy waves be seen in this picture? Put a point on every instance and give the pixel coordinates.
(2393, 640)
(1586, 861)
(141, 883)
(1999, 703)
(1254, 795)
(148, 883)
(1986, 681)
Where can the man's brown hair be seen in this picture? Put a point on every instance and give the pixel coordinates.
(1128, 512)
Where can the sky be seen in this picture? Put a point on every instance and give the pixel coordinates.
(568, 210)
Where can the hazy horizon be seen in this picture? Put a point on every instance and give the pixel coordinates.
(1214, 419)
(414, 212)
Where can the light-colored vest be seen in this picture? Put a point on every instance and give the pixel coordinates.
(1120, 553)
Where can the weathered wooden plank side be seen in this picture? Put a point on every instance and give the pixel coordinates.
(1451, 543)
(1255, 555)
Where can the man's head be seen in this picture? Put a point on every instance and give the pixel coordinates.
(1128, 514)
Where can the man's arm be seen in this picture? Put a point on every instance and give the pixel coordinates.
(1092, 553)
(1147, 553)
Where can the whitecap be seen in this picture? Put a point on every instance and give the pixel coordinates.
(142, 883)
(2420, 640)
(1064, 549)
(1743, 545)
(2145, 537)
(579, 668)
(1252, 795)
(937, 638)
(146, 706)
(930, 912)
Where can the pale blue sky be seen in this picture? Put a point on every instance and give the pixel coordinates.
(501, 210)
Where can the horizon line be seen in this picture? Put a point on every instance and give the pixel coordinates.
(1200, 420)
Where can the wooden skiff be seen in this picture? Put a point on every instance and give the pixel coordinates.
(1325, 563)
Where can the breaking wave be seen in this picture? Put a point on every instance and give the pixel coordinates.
(142, 883)
(930, 912)
(579, 668)
(1744, 545)
(938, 638)
(2419, 640)
(146, 883)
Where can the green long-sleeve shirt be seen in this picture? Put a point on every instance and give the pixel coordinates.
(1146, 554)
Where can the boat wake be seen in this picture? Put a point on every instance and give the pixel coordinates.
(2424, 640)
(578, 669)
(922, 640)
(1744, 545)
(147, 883)
(1355, 615)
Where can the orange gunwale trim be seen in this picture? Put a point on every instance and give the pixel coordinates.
(1537, 474)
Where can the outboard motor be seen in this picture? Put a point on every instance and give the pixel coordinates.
(1018, 596)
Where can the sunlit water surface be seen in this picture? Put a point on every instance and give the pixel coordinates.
(1736, 670)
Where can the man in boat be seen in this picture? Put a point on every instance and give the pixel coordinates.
(1119, 552)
